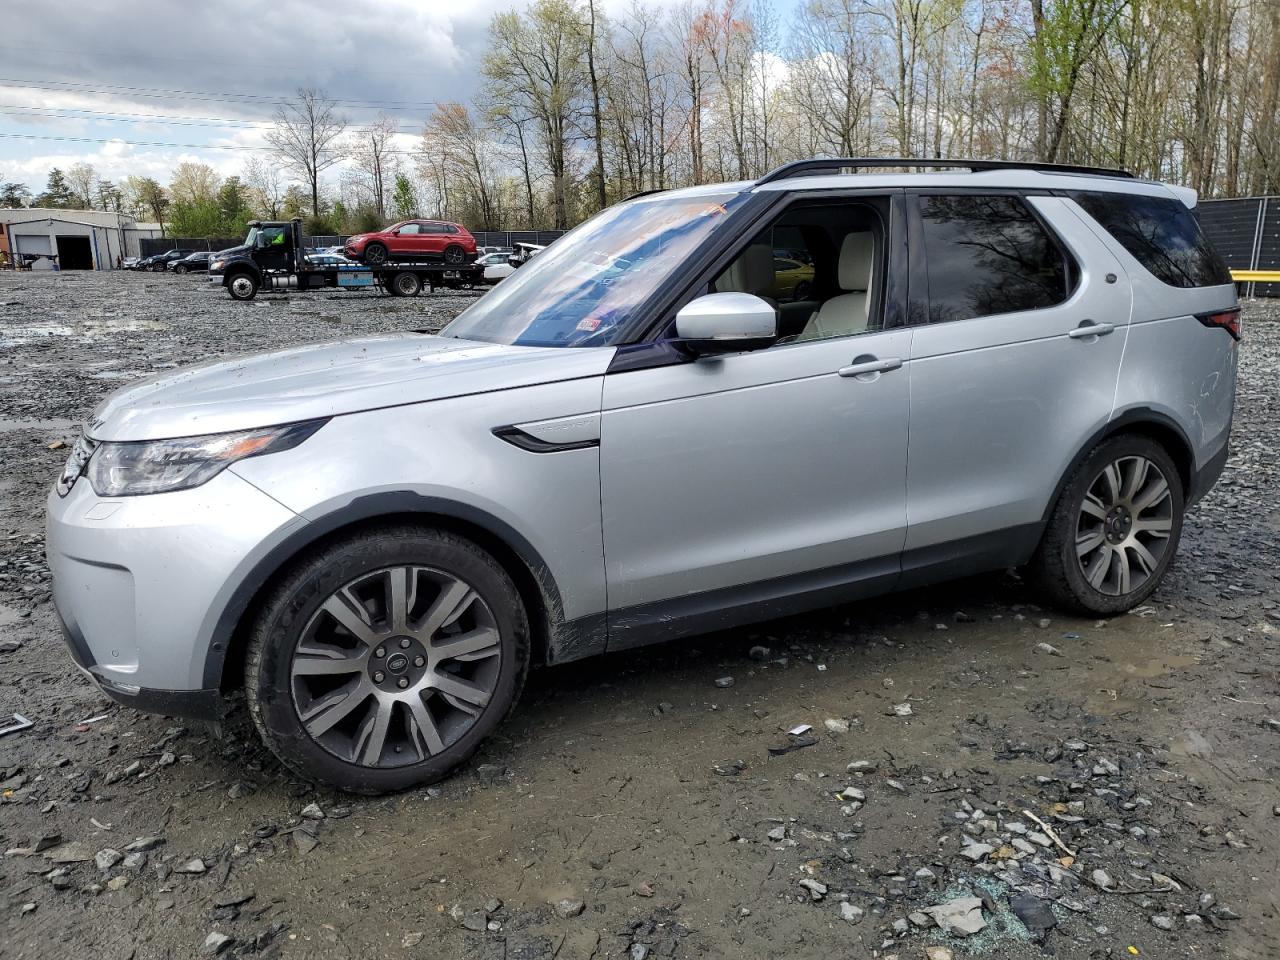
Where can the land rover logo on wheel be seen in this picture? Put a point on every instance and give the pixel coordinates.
(397, 663)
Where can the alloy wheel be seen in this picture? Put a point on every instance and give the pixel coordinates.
(1124, 525)
(396, 666)
(241, 286)
(375, 253)
(454, 255)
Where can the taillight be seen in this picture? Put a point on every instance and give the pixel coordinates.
(1228, 320)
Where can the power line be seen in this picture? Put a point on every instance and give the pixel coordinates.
(152, 143)
(57, 113)
(162, 93)
(113, 116)
(131, 143)
(137, 55)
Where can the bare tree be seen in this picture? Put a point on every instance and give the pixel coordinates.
(457, 151)
(82, 178)
(307, 136)
(597, 124)
(193, 184)
(536, 63)
(266, 185)
(373, 149)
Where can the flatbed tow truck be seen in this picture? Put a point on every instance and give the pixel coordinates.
(272, 258)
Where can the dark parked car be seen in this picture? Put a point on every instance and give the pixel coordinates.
(197, 262)
(158, 262)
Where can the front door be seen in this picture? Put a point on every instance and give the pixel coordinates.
(760, 483)
(410, 242)
(274, 248)
(1016, 369)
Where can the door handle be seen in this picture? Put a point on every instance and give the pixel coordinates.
(1089, 328)
(864, 365)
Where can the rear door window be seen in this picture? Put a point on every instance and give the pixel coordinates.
(1161, 234)
(987, 255)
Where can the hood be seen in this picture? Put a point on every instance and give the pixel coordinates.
(329, 379)
(230, 252)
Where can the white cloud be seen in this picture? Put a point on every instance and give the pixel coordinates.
(236, 58)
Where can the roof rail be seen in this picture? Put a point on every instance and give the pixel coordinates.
(808, 168)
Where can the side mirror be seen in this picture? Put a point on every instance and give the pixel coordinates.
(726, 323)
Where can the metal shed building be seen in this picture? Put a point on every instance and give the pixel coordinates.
(79, 239)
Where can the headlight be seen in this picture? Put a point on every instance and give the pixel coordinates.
(217, 265)
(162, 466)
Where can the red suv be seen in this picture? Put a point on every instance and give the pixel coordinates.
(414, 240)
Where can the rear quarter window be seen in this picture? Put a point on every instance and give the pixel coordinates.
(1161, 234)
(988, 255)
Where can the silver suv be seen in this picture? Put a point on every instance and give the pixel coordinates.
(700, 408)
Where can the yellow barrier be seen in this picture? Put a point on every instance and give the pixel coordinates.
(1256, 276)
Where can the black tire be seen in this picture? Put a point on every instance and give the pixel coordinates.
(406, 284)
(242, 285)
(270, 685)
(180, 268)
(1057, 569)
(454, 255)
(375, 254)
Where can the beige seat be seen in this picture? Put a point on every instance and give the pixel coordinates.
(751, 272)
(846, 313)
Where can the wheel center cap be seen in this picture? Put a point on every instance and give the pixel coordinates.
(397, 663)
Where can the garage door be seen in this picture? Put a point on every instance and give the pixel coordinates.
(32, 243)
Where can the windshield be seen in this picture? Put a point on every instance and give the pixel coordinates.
(253, 235)
(581, 290)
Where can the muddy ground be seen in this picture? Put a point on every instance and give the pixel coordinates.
(632, 807)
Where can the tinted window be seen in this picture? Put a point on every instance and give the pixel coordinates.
(988, 255)
(1161, 234)
(410, 229)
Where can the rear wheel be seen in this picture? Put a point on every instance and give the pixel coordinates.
(384, 660)
(454, 254)
(406, 284)
(242, 286)
(1115, 528)
(375, 254)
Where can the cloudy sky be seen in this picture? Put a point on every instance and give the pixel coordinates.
(137, 93)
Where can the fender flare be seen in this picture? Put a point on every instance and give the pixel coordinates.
(1132, 417)
(230, 269)
(364, 509)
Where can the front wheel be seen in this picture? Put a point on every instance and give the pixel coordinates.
(375, 254)
(180, 269)
(242, 286)
(1114, 530)
(383, 661)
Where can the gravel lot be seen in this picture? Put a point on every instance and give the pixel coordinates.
(640, 805)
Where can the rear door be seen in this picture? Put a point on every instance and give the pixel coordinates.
(434, 237)
(1015, 369)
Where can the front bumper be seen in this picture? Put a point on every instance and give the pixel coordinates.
(139, 584)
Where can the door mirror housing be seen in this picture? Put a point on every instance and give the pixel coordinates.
(726, 323)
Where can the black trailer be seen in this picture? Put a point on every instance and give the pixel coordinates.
(272, 258)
